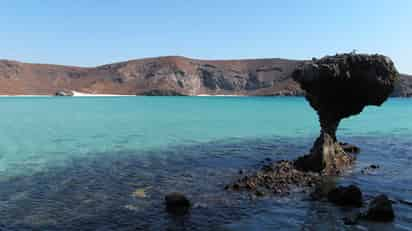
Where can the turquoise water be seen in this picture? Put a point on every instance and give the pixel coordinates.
(151, 141)
(37, 132)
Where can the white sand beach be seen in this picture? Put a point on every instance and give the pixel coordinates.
(220, 95)
(82, 94)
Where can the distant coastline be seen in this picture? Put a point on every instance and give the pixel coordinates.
(162, 76)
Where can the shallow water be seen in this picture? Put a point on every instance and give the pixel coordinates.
(74, 163)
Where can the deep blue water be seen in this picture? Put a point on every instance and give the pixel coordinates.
(74, 163)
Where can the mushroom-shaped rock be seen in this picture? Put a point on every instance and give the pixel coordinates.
(338, 87)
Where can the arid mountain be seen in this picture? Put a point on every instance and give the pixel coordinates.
(161, 76)
(404, 87)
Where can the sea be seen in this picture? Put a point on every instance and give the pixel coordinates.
(106, 163)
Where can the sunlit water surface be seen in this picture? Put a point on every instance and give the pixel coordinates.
(74, 163)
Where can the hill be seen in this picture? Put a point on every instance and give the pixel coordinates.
(170, 75)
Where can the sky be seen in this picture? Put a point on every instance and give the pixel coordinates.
(96, 32)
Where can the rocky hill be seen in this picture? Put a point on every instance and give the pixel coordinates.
(161, 76)
(403, 88)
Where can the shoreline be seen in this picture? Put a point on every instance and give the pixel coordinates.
(82, 94)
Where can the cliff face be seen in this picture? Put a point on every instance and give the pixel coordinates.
(403, 88)
(161, 76)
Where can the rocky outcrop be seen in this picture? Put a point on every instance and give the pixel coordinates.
(275, 178)
(338, 87)
(282, 177)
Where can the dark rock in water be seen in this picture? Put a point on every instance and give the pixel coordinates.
(380, 209)
(64, 93)
(372, 166)
(322, 188)
(177, 203)
(346, 196)
(349, 148)
(338, 87)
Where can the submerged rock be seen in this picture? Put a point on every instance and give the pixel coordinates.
(380, 209)
(275, 178)
(346, 196)
(353, 218)
(177, 203)
(338, 87)
(371, 169)
(141, 192)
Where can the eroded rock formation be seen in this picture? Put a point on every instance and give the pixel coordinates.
(338, 87)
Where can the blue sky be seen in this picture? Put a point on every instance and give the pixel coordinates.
(95, 32)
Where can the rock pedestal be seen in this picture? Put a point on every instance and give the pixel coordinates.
(338, 87)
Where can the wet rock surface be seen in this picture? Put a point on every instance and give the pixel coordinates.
(282, 177)
(349, 148)
(380, 209)
(338, 87)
